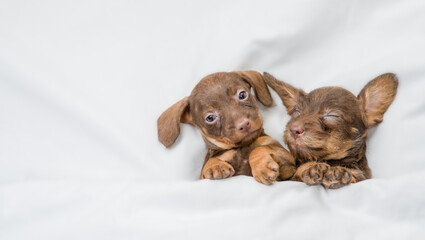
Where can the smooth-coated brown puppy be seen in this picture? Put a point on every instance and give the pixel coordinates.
(226, 114)
(328, 127)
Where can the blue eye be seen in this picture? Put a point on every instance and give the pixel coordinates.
(243, 95)
(211, 118)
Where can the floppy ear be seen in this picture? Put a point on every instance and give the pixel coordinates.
(256, 80)
(169, 121)
(286, 92)
(377, 96)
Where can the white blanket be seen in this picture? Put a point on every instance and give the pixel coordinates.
(82, 84)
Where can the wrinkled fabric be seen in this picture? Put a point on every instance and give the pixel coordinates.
(82, 84)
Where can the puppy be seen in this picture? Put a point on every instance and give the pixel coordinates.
(328, 128)
(226, 114)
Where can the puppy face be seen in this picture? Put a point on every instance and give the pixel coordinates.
(225, 111)
(222, 107)
(331, 123)
(326, 124)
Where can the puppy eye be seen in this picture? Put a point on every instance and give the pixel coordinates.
(210, 118)
(331, 117)
(243, 95)
(296, 113)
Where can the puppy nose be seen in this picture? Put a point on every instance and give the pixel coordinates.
(297, 130)
(243, 125)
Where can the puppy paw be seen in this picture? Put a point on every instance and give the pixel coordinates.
(313, 173)
(217, 169)
(337, 177)
(286, 172)
(264, 169)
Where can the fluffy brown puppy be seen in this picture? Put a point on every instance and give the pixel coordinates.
(328, 127)
(226, 114)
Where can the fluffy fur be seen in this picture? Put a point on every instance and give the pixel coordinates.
(225, 112)
(328, 128)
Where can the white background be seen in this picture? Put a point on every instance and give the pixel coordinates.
(82, 84)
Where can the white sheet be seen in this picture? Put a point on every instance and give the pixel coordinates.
(83, 82)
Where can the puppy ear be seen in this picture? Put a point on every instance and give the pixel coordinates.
(169, 121)
(286, 92)
(256, 80)
(377, 96)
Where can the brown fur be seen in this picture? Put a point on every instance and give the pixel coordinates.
(328, 128)
(237, 144)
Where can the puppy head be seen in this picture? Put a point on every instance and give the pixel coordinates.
(222, 108)
(331, 123)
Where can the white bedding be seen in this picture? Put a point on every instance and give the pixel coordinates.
(83, 82)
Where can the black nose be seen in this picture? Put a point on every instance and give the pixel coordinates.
(243, 126)
(297, 130)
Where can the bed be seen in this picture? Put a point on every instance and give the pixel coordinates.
(82, 84)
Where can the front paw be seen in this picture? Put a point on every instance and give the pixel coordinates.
(264, 169)
(337, 177)
(313, 173)
(217, 169)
